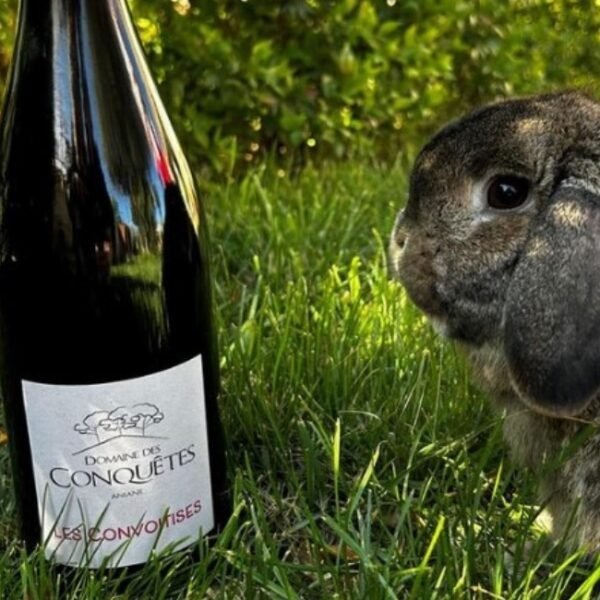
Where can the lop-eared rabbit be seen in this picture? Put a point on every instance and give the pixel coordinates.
(499, 245)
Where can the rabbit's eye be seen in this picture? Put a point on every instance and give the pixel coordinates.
(507, 191)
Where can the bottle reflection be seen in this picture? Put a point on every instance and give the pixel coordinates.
(122, 260)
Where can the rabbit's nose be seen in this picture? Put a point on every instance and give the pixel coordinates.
(400, 237)
(400, 232)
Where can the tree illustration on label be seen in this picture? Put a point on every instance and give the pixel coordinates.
(122, 421)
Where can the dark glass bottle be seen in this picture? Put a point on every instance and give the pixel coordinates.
(108, 358)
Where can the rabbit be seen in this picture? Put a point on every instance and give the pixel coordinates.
(499, 246)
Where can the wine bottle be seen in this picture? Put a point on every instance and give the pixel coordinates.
(108, 357)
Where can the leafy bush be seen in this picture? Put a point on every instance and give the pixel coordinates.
(347, 77)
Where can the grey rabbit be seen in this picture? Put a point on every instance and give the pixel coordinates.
(499, 245)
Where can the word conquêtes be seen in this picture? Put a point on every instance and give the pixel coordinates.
(135, 474)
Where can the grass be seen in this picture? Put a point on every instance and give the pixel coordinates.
(363, 463)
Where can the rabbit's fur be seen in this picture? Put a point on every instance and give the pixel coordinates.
(519, 287)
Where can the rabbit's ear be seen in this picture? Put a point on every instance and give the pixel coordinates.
(552, 311)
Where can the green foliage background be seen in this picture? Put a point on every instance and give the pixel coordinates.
(341, 78)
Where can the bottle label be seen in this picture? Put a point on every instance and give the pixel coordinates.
(121, 469)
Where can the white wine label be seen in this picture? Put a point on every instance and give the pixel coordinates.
(122, 468)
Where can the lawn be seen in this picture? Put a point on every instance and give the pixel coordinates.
(363, 462)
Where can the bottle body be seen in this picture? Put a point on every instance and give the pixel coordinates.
(108, 365)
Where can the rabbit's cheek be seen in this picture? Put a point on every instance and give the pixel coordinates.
(415, 271)
(420, 286)
(472, 299)
(440, 266)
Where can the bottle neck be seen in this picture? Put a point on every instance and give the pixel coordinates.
(41, 14)
(49, 32)
(80, 74)
(98, 85)
(47, 29)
